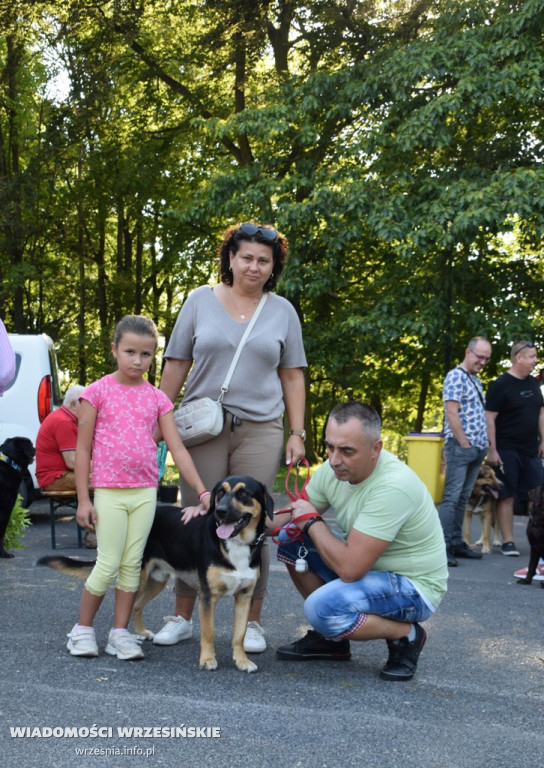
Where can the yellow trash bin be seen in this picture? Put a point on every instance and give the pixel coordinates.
(425, 458)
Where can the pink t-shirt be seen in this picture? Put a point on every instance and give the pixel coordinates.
(124, 452)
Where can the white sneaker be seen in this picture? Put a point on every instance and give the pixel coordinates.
(176, 629)
(254, 641)
(124, 645)
(82, 641)
(522, 573)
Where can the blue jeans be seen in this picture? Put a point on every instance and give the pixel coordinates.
(462, 465)
(339, 608)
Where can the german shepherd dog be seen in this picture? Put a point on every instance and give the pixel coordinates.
(218, 554)
(535, 533)
(16, 453)
(482, 502)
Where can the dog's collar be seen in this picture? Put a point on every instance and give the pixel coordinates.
(9, 461)
(258, 541)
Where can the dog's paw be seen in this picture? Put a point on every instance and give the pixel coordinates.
(145, 634)
(526, 582)
(209, 663)
(486, 550)
(246, 665)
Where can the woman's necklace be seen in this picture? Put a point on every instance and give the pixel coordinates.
(247, 312)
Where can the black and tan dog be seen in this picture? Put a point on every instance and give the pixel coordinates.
(535, 533)
(218, 554)
(482, 502)
(16, 453)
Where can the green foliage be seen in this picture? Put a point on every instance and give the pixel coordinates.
(171, 475)
(397, 145)
(18, 521)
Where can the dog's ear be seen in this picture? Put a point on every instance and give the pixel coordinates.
(268, 502)
(6, 445)
(215, 489)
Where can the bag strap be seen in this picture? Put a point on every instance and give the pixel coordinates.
(228, 377)
(467, 374)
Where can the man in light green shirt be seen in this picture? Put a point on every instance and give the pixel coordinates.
(388, 570)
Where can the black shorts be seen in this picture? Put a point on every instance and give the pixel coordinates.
(520, 474)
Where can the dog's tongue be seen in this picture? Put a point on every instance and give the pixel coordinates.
(225, 530)
(492, 491)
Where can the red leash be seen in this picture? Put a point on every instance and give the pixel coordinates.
(295, 493)
(290, 529)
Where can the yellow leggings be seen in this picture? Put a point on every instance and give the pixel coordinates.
(124, 519)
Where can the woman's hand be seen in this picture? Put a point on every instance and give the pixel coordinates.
(295, 450)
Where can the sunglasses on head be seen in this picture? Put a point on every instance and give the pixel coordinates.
(525, 346)
(252, 229)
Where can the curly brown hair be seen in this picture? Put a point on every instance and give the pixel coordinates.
(233, 236)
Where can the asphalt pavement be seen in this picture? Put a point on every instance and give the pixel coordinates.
(477, 698)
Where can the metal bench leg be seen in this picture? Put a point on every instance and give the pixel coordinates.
(55, 504)
(52, 523)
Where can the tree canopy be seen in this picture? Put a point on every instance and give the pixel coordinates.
(396, 143)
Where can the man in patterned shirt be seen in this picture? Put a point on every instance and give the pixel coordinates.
(466, 443)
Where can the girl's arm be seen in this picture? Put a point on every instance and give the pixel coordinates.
(182, 457)
(86, 515)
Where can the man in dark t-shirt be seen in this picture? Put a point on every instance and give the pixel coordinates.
(515, 429)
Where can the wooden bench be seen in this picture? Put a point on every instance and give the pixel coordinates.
(59, 499)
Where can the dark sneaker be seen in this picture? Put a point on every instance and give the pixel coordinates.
(403, 656)
(463, 550)
(314, 647)
(452, 562)
(509, 549)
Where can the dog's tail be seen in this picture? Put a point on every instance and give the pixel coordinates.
(79, 569)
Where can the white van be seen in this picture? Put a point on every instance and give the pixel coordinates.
(33, 393)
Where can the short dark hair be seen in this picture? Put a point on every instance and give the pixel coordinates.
(474, 341)
(233, 236)
(519, 346)
(366, 414)
(138, 324)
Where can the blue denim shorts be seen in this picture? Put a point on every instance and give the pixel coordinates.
(339, 608)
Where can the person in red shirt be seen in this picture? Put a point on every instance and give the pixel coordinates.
(56, 445)
(56, 449)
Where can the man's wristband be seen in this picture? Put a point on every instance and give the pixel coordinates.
(203, 494)
(310, 522)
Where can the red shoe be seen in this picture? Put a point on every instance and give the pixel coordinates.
(522, 573)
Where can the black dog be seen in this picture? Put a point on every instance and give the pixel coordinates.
(218, 554)
(535, 533)
(16, 453)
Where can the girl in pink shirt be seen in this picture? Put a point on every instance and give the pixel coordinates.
(116, 422)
